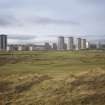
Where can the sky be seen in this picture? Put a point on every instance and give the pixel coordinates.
(39, 20)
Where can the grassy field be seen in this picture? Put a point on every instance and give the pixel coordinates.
(52, 78)
(51, 62)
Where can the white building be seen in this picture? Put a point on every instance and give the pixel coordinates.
(70, 44)
(78, 44)
(61, 43)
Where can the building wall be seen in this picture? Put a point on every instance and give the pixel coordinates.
(47, 46)
(54, 46)
(78, 44)
(70, 44)
(31, 48)
(83, 44)
(61, 44)
(3, 42)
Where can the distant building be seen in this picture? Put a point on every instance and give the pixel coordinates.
(93, 46)
(54, 46)
(47, 46)
(70, 45)
(9, 47)
(99, 45)
(61, 43)
(65, 46)
(20, 48)
(103, 46)
(25, 47)
(3, 42)
(78, 44)
(31, 47)
(83, 44)
(12, 47)
(40, 47)
(87, 45)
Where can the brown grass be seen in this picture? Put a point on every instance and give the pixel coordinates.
(33, 89)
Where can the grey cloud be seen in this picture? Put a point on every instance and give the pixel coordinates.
(21, 37)
(7, 20)
(46, 21)
(11, 20)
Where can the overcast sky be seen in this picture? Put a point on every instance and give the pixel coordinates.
(29, 19)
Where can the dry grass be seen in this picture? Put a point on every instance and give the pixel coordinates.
(52, 78)
(33, 89)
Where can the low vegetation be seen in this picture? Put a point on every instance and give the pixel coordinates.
(52, 78)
